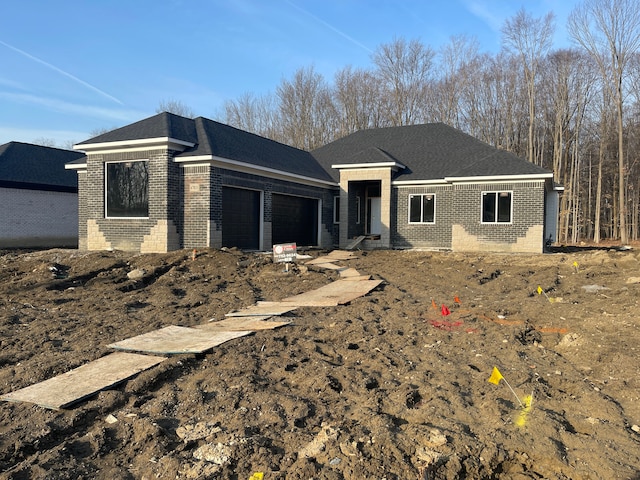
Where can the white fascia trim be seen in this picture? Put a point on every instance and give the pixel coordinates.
(340, 166)
(126, 144)
(76, 166)
(499, 178)
(409, 183)
(254, 169)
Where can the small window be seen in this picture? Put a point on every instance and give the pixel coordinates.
(127, 189)
(422, 208)
(336, 209)
(496, 207)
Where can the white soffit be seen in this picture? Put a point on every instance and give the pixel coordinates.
(136, 144)
(350, 166)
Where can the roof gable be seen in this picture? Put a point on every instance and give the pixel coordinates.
(24, 165)
(432, 151)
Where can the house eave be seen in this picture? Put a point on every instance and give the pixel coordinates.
(236, 165)
(140, 144)
(500, 178)
(76, 166)
(351, 166)
(408, 183)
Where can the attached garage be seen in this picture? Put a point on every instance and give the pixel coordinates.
(241, 216)
(294, 219)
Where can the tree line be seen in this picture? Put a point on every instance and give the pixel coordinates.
(574, 110)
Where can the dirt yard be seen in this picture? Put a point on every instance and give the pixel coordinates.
(385, 387)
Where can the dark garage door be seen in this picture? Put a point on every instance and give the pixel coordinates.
(294, 219)
(240, 218)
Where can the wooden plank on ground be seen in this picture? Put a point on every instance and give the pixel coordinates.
(332, 256)
(262, 309)
(335, 293)
(355, 242)
(231, 324)
(353, 274)
(176, 340)
(82, 382)
(328, 266)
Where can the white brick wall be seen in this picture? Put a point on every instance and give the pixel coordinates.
(34, 218)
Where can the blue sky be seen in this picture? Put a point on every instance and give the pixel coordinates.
(71, 67)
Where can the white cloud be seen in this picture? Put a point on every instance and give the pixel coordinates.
(83, 110)
(28, 135)
(492, 16)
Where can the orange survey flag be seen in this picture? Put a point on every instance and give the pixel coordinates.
(445, 311)
(496, 376)
(456, 299)
(433, 304)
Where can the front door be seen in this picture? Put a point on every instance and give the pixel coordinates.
(375, 215)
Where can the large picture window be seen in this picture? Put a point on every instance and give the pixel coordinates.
(496, 207)
(127, 189)
(422, 208)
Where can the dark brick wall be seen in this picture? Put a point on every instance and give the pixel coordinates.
(437, 235)
(196, 205)
(202, 201)
(461, 205)
(164, 197)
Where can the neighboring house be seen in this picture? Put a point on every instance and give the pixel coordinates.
(39, 197)
(170, 182)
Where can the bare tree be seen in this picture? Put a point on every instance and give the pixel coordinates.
(456, 62)
(304, 105)
(357, 100)
(404, 69)
(44, 142)
(609, 30)
(176, 107)
(530, 38)
(258, 115)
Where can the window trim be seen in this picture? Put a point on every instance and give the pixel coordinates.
(106, 189)
(496, 212)
(421, 195)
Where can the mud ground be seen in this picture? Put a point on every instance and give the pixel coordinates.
(385, 387)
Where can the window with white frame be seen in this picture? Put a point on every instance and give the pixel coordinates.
(422, 208)
(497, 207)
(127, 189)
(336, 209)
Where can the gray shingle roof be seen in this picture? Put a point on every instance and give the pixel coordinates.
(159, 126)
(432, 151)
(219, 140)
(429, 151)
(24, 165)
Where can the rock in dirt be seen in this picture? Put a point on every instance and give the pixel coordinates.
(318, 444)
(190, 433)
(215, 453)
(593, 288)
(136, 274)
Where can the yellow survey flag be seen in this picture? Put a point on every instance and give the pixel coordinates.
(257, 476)
(496, 376)
(539, 289)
